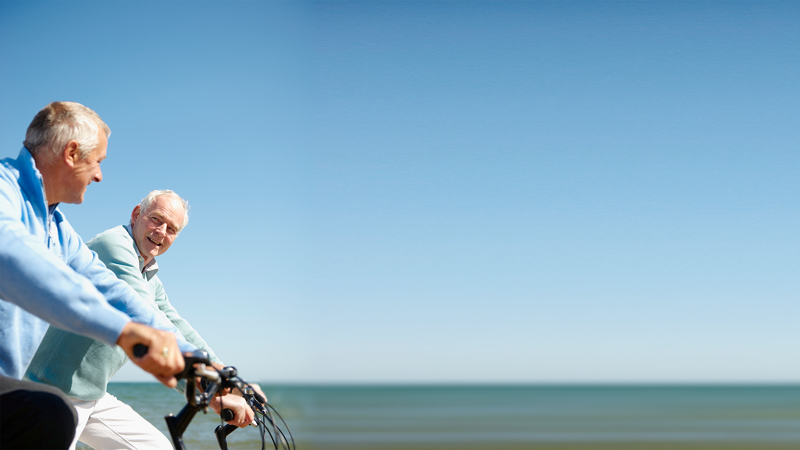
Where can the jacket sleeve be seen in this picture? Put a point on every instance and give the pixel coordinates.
(36, 280)
(116, 290)
(186, 329)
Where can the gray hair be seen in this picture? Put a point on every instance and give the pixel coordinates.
(61, 122)
(152, 196)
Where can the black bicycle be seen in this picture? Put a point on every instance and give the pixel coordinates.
(212, 381)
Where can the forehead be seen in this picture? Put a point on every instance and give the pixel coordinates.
(98, 154)
(100, 151)
(169, 208)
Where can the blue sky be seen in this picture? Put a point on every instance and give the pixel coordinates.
(448, 191)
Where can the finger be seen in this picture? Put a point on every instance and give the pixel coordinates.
(260, 392)
(250, 416)
(172, 357)
(241, 418)
(177, 363)
(163, 355)
(168, 381)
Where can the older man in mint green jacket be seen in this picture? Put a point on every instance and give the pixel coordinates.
(82, 367)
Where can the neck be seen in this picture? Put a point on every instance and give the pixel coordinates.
(49, 175)
(145, 258)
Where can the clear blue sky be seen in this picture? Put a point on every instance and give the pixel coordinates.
(448, 191)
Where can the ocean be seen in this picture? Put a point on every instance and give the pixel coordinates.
(504, 417)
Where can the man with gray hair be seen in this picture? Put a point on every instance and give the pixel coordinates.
(47, 274)
(82, 367)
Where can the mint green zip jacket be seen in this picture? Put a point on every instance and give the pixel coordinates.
(47, 274)
(82, 367)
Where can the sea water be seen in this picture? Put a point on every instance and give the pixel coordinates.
(504, 417)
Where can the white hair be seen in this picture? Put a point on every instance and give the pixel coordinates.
(153, 195)
(61, 122)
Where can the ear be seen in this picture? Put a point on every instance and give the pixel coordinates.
(135, 213)
(70, 154)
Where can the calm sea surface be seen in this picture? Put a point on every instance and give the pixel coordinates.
(505, 417)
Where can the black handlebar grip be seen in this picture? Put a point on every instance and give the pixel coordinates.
(260, 399)
(227, 415)
(139, 350)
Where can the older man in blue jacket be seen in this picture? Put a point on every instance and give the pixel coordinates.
(48, 275)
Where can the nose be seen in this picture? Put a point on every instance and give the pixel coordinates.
(98, 177)
(162, 229)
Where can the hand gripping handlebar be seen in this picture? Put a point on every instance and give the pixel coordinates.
(212, 381)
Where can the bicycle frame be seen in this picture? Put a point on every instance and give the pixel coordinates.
(194, 401)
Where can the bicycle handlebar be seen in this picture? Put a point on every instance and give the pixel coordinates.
(139, 350)
(227, 415)
(213, 380)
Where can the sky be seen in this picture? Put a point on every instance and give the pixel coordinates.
(448, 191)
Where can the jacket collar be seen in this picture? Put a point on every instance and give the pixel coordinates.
(31, 182)
(151, 268)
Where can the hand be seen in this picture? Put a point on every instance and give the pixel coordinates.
(258, 391)
(163, 359)
(243, 414)
(220, 366)
(255, 387)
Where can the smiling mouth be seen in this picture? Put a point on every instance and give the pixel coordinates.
(154, 242)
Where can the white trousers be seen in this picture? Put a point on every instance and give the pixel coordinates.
(109, 424)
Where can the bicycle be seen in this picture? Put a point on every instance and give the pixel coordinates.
(212, 381)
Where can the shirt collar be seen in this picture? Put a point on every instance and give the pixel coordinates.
(151, 268)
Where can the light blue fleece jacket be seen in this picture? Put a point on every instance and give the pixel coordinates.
(47, 274)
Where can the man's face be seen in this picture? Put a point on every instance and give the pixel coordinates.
(86, 170)
(154, 230)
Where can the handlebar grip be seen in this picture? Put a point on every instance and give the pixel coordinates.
(227, 415)
(139, 350)
(260, 399)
